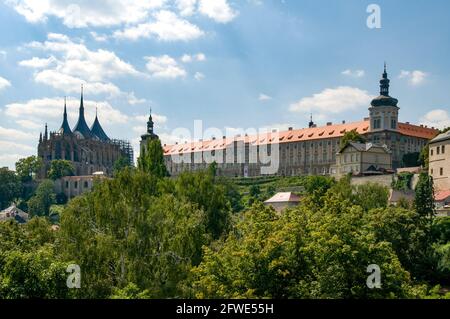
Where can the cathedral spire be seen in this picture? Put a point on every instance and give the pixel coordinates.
(45, 133)
(97, 130)
(81, 128)
(40, 137)
(65, 128)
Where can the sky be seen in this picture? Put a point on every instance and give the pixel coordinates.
(229, 63)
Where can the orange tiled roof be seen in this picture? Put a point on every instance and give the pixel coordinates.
(442, 195)
(299, 135)
(417, 131)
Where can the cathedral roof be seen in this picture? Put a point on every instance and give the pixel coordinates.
(65, 128)
(98, 131)
(81, 128)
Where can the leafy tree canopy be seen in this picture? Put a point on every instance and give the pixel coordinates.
(60, 168)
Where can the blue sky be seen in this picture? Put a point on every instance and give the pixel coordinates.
(231, 63)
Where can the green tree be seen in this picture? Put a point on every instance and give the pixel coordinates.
(60, 168)
(127, 232)
(424, 157)
(351, 136)
(151, 159)
(29, 264)
(301, 254)
(10, 187)
(45, 197)
(424, 200)
(370, 196)
(27, 167)
(120, 164)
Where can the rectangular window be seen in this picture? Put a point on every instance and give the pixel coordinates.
(443, 149)
(438, 150)
(431, 171)
(431, 152)
(67, 184)
(76, 185)
(442, 171)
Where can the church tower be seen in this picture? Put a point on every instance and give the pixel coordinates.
(384, 109)
(150, 135)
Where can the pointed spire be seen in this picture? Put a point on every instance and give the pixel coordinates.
(150, 123)
(40, 137)
(311, 123)
(65, 128)
(384, 83)
(97, 130)
(45, 133)
(81, 128)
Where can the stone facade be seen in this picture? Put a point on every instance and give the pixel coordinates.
(73, 186)
(308, 151)
(439, 166)
(363, 159)
(88, 149)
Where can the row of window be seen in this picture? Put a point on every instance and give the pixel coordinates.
(441, 171)
(439, 150)
(75, 184)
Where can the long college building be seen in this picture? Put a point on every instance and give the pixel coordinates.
(307, 151)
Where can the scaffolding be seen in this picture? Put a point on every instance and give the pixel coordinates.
(126, 148)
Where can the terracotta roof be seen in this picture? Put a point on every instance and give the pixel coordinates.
(299, 135)
(283, 198)
(441, 195)
(417, 131)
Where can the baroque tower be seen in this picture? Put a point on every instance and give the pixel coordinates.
(384, 109)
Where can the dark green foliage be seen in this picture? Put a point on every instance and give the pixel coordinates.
(45, 197)
(27, 167)
(60, 168)
(424, 157)
(424, 200)
(120, 164)
(351, 136)
(411, 160)
(151, 159)
(403, 181)
(29, 267)
(10, 187)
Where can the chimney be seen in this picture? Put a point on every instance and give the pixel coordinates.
(366, 118)
(290, 129)
(274, 130)
(343, 122)
(407, 122)
(224, 137)
(329, 123)
(214, 138)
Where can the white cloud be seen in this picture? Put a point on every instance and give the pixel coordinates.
(96, 13)
(4, 83)
(13, 134)
(28, 124)
(38, 63)
(164, 67)
(70, 84)
(77, 60)
(167, 26)
(199, 57)
(186, 7)
(438, 118)
(334, 101)
(199, 76)
(98, 37)
(218, 10)
(264, 97)
(3, 54)
(51, 109)
(414, 78)
(354, 73)
(133, 100)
